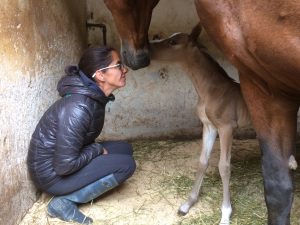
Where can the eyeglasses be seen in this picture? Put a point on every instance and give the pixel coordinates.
(120, 66)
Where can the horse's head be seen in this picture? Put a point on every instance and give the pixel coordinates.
(132, 19)
(175, 48)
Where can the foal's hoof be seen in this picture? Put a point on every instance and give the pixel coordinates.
(224, 222)
(183, 210)
(181, 213)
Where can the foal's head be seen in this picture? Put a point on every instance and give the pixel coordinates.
(175, 48)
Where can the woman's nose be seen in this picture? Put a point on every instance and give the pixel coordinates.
(125, 69)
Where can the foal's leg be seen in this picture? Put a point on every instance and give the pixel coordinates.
(208, 140)
(274, 118)
(225, 134)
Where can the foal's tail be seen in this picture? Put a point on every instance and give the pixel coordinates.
(292, 163)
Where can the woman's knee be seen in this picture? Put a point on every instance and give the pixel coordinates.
(126, 169)
(130, 167)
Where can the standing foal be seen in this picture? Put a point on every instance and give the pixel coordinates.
(221, 107)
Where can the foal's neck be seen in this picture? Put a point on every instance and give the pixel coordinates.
(206, 74)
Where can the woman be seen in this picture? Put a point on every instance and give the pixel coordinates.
(63, 159)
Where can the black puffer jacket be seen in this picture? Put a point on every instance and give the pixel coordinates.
(64, 139)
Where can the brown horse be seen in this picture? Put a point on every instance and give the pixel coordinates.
(261, 38)
(132, 19)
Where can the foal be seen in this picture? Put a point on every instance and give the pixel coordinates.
(220, 108)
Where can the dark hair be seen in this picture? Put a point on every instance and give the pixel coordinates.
(93, 59)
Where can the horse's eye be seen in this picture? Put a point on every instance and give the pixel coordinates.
(172, 42)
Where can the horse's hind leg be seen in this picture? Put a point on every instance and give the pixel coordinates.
(275, 126)
(208, 140)
(225, 134)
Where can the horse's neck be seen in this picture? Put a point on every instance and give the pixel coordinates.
(205, 73)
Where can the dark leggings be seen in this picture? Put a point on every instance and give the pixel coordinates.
(118, 161)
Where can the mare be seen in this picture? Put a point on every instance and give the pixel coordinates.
(221, 107)
(132, 19)
(261, 39)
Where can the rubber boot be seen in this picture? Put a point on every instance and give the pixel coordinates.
(65, 208)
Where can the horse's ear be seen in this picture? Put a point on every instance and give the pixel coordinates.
(195, 33)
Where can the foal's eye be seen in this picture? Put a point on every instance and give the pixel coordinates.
(172, 42)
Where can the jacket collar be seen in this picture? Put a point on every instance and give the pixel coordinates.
(74, 84)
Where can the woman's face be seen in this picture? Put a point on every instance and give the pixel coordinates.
(115, 75)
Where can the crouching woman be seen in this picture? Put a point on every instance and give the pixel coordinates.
(63, 158)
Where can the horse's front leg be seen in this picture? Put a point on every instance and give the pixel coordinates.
(274, 118)
(225, 134)
(208, 140)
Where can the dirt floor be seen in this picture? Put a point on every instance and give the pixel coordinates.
(162, 181)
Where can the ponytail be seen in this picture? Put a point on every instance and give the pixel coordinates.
(72, 70)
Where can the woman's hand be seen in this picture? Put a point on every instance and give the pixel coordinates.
(105, 152)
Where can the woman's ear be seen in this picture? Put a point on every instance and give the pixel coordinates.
(102, 76)
(99, 75)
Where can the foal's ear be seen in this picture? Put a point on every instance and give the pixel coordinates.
(193, 36)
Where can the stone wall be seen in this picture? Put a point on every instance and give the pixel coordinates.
(37, 39)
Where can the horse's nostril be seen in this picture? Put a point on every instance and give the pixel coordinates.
(157, 37)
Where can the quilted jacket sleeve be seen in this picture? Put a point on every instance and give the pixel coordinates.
(70, 154)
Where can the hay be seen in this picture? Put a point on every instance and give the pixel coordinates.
(163, 179)
(247, 195)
